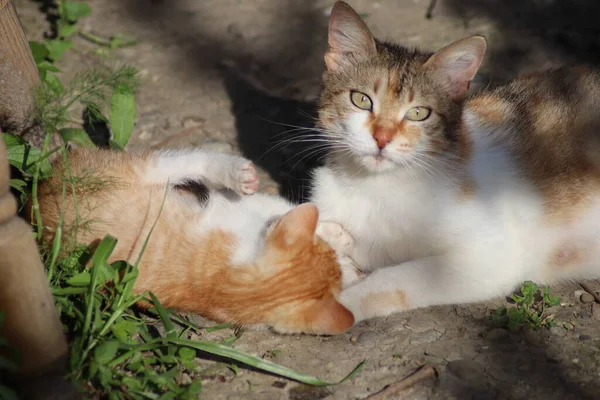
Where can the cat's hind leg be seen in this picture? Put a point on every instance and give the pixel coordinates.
(212, 169)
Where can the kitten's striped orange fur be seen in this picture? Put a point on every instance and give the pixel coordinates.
(224, 259)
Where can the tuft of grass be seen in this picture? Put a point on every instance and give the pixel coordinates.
(529, 310)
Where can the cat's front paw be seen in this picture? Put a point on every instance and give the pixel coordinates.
(351, 273)
(336, 236)
(245, 177)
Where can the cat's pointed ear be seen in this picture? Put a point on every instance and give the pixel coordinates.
(454, 66)
(349, 38)
(297, 226)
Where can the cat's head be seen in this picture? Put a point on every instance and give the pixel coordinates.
(303, 277)
(384, 106)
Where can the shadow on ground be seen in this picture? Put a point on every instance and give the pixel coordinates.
(266, 125)
(568, 30)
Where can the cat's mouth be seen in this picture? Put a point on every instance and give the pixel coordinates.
(378, 162)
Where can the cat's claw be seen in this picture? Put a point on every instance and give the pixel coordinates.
(247, 178)
(336, 236)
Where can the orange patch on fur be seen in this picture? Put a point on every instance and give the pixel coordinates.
(381, 302)
(565, 257)
(490, 109)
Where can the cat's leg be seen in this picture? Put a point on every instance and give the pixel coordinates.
(213, 169)
(426, 282)
(343, 244)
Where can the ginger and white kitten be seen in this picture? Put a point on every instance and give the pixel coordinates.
(449, 199)
(233, 258)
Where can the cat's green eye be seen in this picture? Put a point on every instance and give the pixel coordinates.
(361, 100)
(417, 114)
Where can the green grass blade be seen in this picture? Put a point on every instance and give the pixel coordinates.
(100, 258)
(259, 363)
(164, 316)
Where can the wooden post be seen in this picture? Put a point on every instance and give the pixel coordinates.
(18, 77)
(31, 323)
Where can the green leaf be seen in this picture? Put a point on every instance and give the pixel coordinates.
(124, 330)
(74, 10)
(187, 354)
(81, 279)
(77, 136)
(48, 66)
(54, 83)
(192, 391)
(122, 115)
(57, 47)
(105, 352)
(168, 396)
(549, 299)
(23, 156)
(39, 51)
(67, 30)
(115, 146)
(105, 375)
(18, 184)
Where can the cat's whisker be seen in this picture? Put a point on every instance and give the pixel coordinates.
(294, 140)
(315, 150)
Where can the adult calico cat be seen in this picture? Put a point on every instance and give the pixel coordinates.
(449, 199)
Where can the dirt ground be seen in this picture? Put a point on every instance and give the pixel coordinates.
(226, 74)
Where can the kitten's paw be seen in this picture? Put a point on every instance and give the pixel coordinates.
(337, 237)
(351, 273)
(246, 177)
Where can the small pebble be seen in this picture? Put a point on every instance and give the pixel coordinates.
(354, 339)
(587, 298)
(368, 337)
(584, 316)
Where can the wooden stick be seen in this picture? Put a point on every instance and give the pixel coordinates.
(406, 385)
(588, 289)
(30, 320)
(19, 77)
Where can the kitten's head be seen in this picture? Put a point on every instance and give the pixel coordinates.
(387, 106)
(303, 277)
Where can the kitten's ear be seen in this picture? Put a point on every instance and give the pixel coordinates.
(349, 38)
(297, 226)
(455, 65)
(331, 317)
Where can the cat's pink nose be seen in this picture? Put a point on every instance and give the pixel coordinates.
(383, 137)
